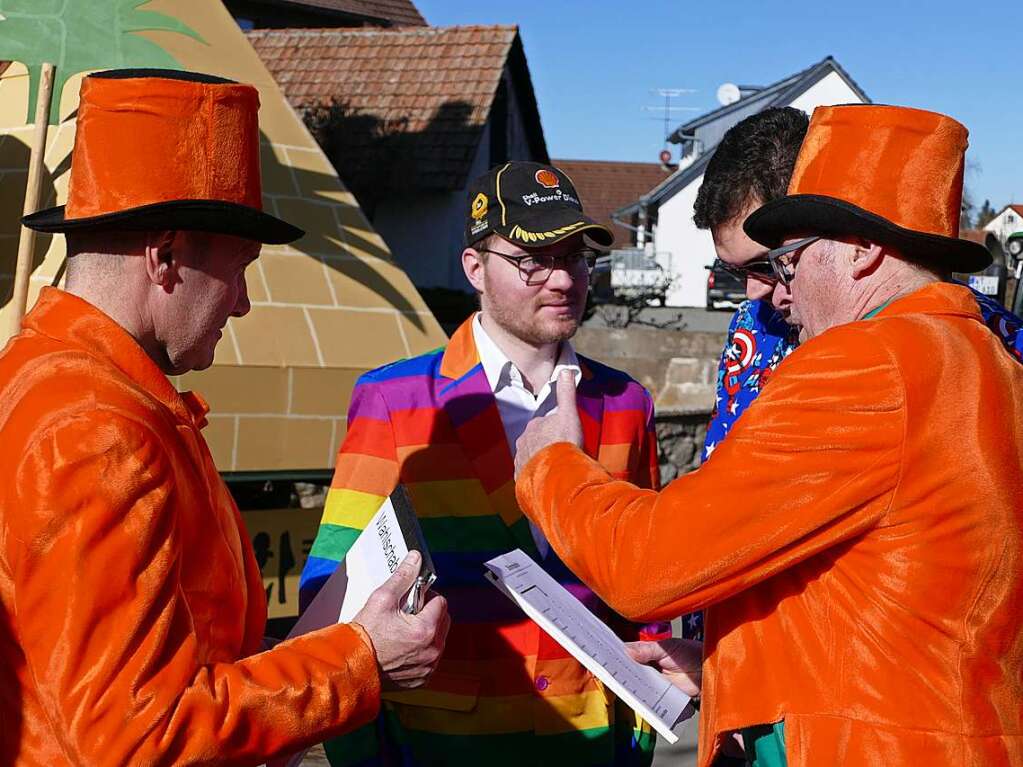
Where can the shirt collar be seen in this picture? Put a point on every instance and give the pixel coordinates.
(935, 298)
(74, 321)
(500, 370)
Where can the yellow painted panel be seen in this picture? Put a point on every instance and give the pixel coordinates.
(277, 443)
(234, 389)
(322, 391)
(275, 335)
(14, 94)
(295, 280)
(350, 338)
(317, 219)
(371, 282)
(219, 435)
(421, 331)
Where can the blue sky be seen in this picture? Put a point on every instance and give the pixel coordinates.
(594, 65)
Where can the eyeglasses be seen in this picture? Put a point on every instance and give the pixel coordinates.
(777, 265)
(784, 259)
(758, 269)
(536, 268)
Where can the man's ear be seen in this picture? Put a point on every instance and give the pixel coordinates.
(473, 265)
(161, 264)
(866, 258)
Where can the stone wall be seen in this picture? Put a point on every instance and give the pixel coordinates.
(679, 443)
(679, 367)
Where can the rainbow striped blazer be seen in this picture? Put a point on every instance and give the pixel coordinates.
(504, 692)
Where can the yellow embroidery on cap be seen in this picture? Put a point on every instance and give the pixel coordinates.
(479, 206)
(519, 233)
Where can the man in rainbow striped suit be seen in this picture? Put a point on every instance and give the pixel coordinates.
(445, 424)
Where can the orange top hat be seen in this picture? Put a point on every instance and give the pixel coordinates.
(891, 175)
(162, 149)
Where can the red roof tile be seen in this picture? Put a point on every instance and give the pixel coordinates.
(400, 13)
(605, 186)
(410, 103)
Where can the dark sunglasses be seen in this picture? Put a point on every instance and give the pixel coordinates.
(773, 266)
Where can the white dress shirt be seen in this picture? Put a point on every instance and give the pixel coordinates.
(515, 403)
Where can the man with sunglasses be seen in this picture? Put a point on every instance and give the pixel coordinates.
(445, 424)
(751, 166)
(857, 540)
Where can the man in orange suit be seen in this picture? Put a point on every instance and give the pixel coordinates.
(868, 585)
(131, 605)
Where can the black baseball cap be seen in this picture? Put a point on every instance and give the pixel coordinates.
(529, 204)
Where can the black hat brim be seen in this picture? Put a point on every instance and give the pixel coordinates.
(213, 216)
(828, 216)
(550, 220)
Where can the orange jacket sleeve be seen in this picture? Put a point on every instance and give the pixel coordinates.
(813, 462)
(106, 630)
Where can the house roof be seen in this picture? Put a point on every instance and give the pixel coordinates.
(606, 186)
(400, 13)
(409, 105)
(973, 235)
(780, 93)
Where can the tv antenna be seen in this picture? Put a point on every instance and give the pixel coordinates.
(667, 109)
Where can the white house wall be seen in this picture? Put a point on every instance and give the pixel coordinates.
(683, 249)
(1005, 223)
(830, 89)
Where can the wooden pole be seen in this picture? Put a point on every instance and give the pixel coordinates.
(36, 168)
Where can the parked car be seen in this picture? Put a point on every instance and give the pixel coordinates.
(724, 289)
(629, 276)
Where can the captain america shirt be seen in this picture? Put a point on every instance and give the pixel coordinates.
(758, 340)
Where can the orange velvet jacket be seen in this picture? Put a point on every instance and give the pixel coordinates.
(857, 542)
(131, 606)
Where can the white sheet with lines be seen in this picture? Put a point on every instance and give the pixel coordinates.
(590, 641)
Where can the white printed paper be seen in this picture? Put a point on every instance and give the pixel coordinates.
(372, 559)
(590, 641)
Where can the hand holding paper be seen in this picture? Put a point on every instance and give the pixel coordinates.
(408, 647)
(680, 660)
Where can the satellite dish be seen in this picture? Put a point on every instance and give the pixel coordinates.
(728, 93)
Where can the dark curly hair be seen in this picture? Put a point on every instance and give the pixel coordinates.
(753, 163)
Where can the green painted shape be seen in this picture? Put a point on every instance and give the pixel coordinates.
(81, 36)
